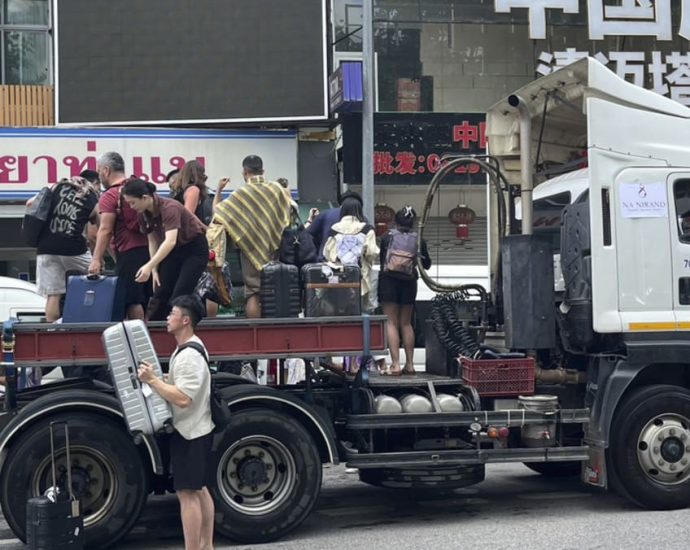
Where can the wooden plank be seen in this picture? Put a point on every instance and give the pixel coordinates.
(3, 105)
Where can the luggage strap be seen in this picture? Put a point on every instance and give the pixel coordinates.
(70, 492)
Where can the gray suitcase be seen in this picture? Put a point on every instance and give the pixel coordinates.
(126, 345)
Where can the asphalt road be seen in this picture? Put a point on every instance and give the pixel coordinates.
(513, 509)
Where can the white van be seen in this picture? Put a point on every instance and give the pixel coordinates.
(20, 299)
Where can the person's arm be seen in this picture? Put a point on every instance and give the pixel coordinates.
(371, 249)
(169, 392)
(105, 232)
(92, 229)
(426, 259)
(329, 251)
(383, 249)
(218, 197)
(158, 254)
(191, 198)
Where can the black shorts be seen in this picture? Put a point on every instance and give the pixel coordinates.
(128, 263)
(191, 462)
(397, 291)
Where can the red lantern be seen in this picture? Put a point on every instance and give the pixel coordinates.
(383, 216)
(461, 217)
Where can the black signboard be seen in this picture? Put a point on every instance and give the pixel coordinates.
(184, 62)
(408, 147)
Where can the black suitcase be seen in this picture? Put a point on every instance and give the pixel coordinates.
(280, 291)
(54, 522)
(331, 291)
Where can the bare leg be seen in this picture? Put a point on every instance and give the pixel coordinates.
(207, 512)
(190, 510)
(135, 311)
(53, 307)
(407, 330)
(211, 309)
(253, 307)
(393, 333)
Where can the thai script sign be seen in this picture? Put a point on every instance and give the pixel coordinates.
(30, 158)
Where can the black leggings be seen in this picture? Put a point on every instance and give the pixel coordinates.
(179, 274)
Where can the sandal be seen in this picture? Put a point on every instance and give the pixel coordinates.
(391, 372)
(409, 372)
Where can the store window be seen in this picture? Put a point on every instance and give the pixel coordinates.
(26, 42)
(464, 55)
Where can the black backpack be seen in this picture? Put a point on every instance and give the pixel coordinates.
(297, 246)
(220, 408)
(205, 209)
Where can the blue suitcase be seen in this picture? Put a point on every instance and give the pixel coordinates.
(93, 299)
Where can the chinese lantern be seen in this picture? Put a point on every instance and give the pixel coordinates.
(383, 216)
(461, 217)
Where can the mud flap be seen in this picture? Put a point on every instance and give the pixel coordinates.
(594, 469)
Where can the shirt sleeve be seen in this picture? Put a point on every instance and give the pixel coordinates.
(372, 249)
(108, 202)
(329, 251)
(384, 249)
(189, 373)
(171, 218)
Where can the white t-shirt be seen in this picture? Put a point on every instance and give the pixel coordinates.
(189, 373)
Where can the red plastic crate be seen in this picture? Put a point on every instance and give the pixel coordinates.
(499, 377)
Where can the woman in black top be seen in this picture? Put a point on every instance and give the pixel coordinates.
(398, 286)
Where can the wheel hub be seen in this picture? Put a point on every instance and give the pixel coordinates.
(256, 474)
(663, 449)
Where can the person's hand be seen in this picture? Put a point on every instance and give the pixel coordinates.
(146, 373)
(156, 279)
(95, 267)
(144, 273)
(222, 184)
(313, 213)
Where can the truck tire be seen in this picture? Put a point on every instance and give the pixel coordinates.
(436, 479)
(649, 457)
(107, 475)
(568, 468)
(267, 476)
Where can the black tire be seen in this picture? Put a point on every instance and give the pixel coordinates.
(416, 479)
(103, 457)
(556, 469)
(650, 440)
(274, 451)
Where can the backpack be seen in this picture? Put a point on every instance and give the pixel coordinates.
(36, 217)
(205, 209)
(349, 248)
(401, 255)
(297, 246)
(220, 409)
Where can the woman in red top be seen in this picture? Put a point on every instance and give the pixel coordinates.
(177, 245)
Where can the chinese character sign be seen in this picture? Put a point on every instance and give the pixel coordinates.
(607, 17)
(409, 147)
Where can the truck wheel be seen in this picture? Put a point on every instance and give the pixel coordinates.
(107, 475)
(268, 476)
(556, 469)
(436, 479)
(650, 447)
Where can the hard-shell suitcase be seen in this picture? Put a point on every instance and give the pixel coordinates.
(280, 290)
(93, 299)
(331, 291)
(127, 344)
(53, 520)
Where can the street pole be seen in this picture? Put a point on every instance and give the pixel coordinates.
(368, 109)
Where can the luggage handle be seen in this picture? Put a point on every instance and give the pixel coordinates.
(69, 462)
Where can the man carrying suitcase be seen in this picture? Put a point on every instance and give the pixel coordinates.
(120, 224)
(188, 390)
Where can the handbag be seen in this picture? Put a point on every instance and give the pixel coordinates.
(36, 216)
(215, 285)
(297, 246)
(220, 408)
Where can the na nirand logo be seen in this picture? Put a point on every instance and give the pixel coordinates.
(642, 192)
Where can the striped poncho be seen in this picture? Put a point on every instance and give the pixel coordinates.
(254, 217)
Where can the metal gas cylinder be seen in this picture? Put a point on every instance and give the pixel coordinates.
(385, 404)
(449, 403)
(544, 433)
(413, 403)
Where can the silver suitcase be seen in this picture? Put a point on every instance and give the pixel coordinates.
(127, 344)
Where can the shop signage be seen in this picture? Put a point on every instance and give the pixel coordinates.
(34, 157)
(606, 18)
(409, 147)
